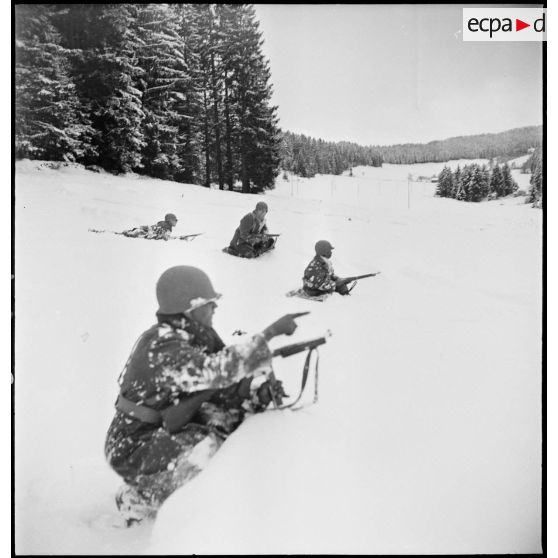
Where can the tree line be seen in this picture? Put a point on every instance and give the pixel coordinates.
(504, 145)
(306, 156)
(475, 182)
(174, 91)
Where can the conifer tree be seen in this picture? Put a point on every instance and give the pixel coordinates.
(497, 181)
(106, 74)
(444, 187)
(160, 58)
(464, 184)
(509, 184)
(258, 138)
(456, 182)
(189, 94)
(536, 195)
(485, 180)
(50, 120)
(477, 189)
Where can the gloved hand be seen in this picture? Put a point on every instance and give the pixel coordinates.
(270, 390)
(283, 326)
(342, 288)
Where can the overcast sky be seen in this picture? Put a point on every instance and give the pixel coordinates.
(383, 74)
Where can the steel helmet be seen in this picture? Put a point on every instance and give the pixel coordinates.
(322, 246)
(183, 288)
(170, 217)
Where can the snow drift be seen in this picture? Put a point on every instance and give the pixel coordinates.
(426, 436)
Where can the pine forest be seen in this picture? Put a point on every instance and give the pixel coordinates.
(174, 91)
(183, 92)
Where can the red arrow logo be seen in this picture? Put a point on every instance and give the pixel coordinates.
(519, 25)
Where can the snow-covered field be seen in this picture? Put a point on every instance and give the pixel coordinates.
(427, 434)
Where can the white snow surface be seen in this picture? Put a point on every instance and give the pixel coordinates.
(426, 437)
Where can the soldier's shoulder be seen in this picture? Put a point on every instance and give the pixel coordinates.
(315, 261)
(164, 335)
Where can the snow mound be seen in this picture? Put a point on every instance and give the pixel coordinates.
(426, 436)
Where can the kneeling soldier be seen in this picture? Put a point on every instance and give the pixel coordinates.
(319, 277)
(250, 239)
(182, 393)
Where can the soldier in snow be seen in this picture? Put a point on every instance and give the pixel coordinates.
(182, 393)
(250, 239)
(159, 231)
(319, 277)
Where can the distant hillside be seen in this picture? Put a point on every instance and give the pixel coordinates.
(505, 145)
(308, 156)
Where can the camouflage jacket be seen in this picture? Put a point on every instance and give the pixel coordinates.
(249, 231)
(159, 231)
(319, 275)
(176, 359)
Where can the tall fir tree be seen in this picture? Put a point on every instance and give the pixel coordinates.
(106, 74)
(179, 91)
(49, 118)
(536, 194)
(509, 184)
(189, 92)
(497, 181)
(258, 139)
(159, 56)
(444, 187)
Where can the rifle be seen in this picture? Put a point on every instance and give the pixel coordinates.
(357, 277)
(294, 348)
(184, 236)
(177, 416)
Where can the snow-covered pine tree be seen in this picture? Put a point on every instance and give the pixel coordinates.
(497, 181)
(536, 195)
(463, 192)
(204, 18)
(456, 182)
(485, 180)
(509, 184)
(259, 134)
(190, 94)
(232, 52)
(160, 56)
(50, 122)
(478, 185)
(106, 74)
(217, 43)
(444, 187)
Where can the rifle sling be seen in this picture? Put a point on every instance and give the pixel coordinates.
(305, 371)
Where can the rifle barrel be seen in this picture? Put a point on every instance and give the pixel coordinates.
(295, 348)
(357, 277)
